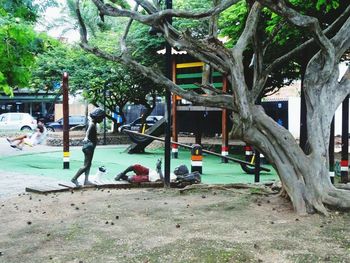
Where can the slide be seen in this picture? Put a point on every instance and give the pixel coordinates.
(141, 142)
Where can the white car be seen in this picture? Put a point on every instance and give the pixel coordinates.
(17, 121)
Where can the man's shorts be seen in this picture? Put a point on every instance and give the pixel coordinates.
(88, 146)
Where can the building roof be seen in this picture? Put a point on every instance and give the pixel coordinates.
(28, 95)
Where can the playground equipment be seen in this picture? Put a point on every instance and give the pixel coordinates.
(136, 136)
(251, 158)
(187, 73)
(141, 142)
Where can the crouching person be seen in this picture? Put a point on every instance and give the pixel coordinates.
(141, 173)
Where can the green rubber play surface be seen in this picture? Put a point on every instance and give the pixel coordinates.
(115, 159)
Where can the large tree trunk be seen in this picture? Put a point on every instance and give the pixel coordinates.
(304, 177)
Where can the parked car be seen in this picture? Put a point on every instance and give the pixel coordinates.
(136, 124)
(17, 121)
(74, 121)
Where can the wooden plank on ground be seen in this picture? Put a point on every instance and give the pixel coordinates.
(69, 186)
(45, 189)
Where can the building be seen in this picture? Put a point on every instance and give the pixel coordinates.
(39, 104)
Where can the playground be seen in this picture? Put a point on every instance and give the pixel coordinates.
(45, 164)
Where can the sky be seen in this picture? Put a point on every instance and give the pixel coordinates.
(52, 14)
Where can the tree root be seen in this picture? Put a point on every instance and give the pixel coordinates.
(343, 186)
(320, 208)
(338, 198)
(262, 190)
(283, 193)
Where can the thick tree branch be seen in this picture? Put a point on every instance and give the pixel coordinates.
(213, 33)
(258, 62)
(210, 51)
(108, 10)
(249, 29)
(240, 92)
(337, 92)
(343, 88)
(154, 18)
(319, 87)
(83, 31)
(341, 40)
(149, 8)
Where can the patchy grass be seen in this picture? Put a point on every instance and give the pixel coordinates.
(197, 250)
(311, 258)
(145, 225)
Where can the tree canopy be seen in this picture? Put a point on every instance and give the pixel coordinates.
(278, 37)
(19, 42)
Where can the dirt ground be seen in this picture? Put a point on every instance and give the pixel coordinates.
(157, 225)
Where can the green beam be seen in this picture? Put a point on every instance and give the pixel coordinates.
(217, 84)
(217, 74)
(195, 75)
(188, 86)
(189, 76)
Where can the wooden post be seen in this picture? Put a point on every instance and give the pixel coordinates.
(174, 147)
(224, 130)
(344, 163)
(65, 107)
